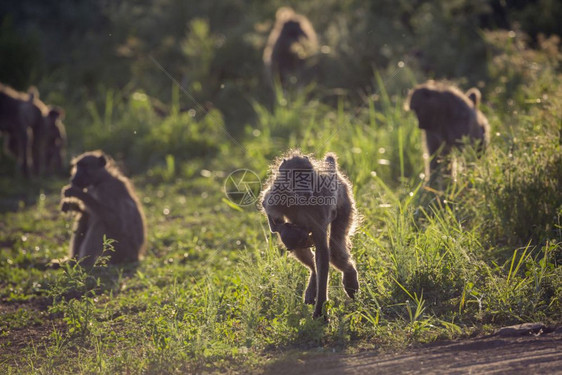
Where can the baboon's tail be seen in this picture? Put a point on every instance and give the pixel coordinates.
(474, 95)
(33, 93)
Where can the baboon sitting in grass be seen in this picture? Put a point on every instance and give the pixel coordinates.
(107, 206)
(310, 203)
(447, 116)
(291, 42)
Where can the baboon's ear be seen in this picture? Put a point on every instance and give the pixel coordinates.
(102, 161)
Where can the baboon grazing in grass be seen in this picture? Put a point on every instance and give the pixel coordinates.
(106, 206)
(291, 42)
(18, 116)
(310, 203)
(447, 116)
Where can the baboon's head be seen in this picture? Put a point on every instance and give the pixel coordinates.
(292, 31)
(54, 127)
(425, 101)
(88, 169)
(296, 162)
(55, 115)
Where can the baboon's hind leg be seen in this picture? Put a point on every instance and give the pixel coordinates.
(306, 256)
(340, 256)
(349, 280)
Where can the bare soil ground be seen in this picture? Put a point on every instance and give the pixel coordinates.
(530, 354)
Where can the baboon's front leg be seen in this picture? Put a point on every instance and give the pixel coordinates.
(37, 154)
(322, 267)
(306, 256)
(21, 141)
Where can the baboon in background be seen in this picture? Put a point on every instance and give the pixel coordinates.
(18, 116)
(32, 128)
(107, 206)
(56, 140)
(306, 200)
(49, 140)
(291, 41)
(447, 115)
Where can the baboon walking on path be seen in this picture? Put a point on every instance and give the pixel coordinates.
(310, 203)
(447, 115)
(107, 206)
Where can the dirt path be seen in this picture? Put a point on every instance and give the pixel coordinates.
(492, 355)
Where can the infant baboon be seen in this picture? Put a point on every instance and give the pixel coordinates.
(294, 237)
(306, 196)
(447, 115)
(107, 206)
(18, 116)
(290, 43)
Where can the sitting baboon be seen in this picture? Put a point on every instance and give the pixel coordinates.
(18, 116)
(107, 206)
(291, 42)
(447, 115)
(306, 196)
(49, 140)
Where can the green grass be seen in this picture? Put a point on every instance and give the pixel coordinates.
(216, 291)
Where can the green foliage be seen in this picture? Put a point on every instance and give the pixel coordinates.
(536, 189)
(214, 50)
(20, 61)
(131, 131)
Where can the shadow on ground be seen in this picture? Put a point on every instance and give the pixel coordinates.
(529, 354)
